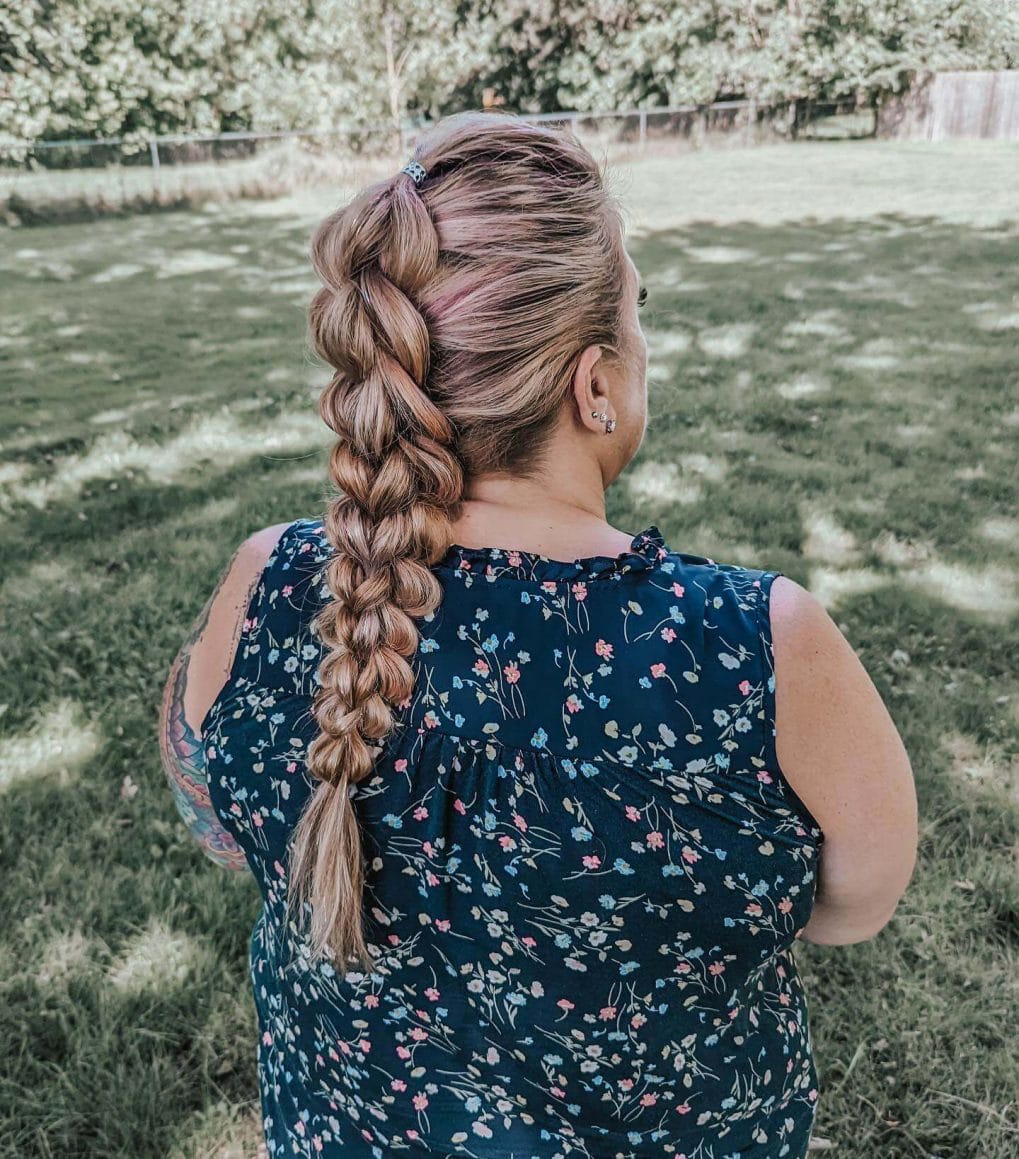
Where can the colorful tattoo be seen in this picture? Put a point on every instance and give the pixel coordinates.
(183, 753)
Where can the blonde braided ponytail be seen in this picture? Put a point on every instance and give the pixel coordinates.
(452, 315)
(401, 482)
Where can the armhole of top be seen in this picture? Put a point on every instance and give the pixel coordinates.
(250, 626)
(768, 699)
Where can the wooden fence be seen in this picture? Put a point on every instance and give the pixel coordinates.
(954, 104)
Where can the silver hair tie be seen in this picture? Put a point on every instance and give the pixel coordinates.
(416, 170)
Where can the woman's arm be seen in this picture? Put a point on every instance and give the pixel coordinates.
(196, 678)
(840, 750)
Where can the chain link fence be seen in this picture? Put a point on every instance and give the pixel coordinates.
(73, 179)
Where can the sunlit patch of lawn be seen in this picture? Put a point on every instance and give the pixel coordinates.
(832, 385)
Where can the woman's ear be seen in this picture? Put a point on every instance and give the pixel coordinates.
(589, 391)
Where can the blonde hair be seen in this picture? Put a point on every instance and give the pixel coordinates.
(453, 315)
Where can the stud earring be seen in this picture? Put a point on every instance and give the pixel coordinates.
(610, 426)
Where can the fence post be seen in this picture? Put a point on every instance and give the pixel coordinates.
(154, 153)
(643, 128)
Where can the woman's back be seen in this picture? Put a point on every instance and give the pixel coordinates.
(585, 869)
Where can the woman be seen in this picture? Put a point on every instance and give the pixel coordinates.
(537, 807)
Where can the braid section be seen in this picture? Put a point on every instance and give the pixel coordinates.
(400, 482)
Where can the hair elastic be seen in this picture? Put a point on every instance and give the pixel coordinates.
(416, 170)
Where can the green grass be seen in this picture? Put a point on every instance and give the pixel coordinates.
(832, 329)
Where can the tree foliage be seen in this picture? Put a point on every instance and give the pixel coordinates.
(138, 68)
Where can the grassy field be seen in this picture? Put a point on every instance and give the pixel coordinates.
(833, 382)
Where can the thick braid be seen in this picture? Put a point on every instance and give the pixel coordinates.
(401, 482)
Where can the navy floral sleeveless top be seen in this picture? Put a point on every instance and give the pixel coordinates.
(585, 869)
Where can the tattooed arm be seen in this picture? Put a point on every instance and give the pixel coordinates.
(197, 677)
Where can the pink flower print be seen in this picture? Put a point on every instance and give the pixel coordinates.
(266, 1038)
(604, 649)
(411, 1133)
(564, 1004)
(393, 939)
(655, 840)
(649, 1099)
(400, 765)
(573, 703)
(371, 1001)
(432, 994)
(251, 625)
(442, 924)
(299, 1128)
(792, 1026)
(734, 1013)
(657, 670)
(287, 589)
(364, 1045)
(514, 559)
(754, 910)
(558, 1092)
(784, 999)
(678, 589)
(428, 848)
(507, 842)
(481, 667)
(316, 1142)
(592, 860)
(345, 1047)
(683, 967)
(632, 813)
(548, 586)
(520, 822)
(511, 672)
(210, 753)
(459, 806)
(668, 635)
(626, 1084)
(235, 809)
(638, 1020)
(403, 1051)
(606, 1013)
(420, 813)
(744, 687)
(431, 878)
(398, 1085)
(690, 855)
(292, 766)
(420, 1102)
(256, 820)
(280, 871)
(785, 905)
(529, 941)
(430, 720)
(579, 591)
(683, 1109)
(465, 565)
(764, 776)
(716, 968)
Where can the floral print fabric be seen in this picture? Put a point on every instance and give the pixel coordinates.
(585, 869)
